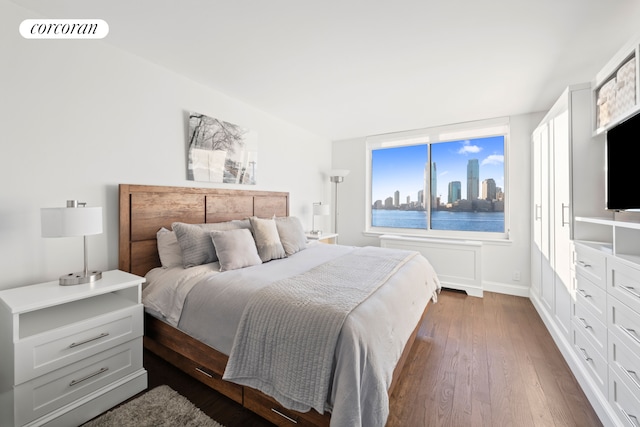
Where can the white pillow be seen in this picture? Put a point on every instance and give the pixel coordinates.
(267, 239)
(235, 248)
(291, 234)
(168, 248)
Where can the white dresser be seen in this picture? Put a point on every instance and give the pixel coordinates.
(69, 353)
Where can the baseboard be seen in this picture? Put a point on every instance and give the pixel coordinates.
(505, 288)
(598, 401)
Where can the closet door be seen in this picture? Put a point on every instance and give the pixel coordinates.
(562, 214)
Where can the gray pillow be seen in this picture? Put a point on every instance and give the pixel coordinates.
(265, 233)
(235, 248)
(195, 241)
(291, 234)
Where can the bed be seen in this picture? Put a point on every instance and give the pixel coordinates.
(190, 331)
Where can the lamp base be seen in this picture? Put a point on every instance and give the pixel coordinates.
(80, 278)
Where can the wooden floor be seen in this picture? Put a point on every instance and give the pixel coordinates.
(477, 362)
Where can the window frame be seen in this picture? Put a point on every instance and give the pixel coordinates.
(434, 135)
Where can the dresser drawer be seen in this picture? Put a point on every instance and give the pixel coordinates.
(624, 323)
(624, 283)
(53, 390)
(624, 402)
(591, 296)
(42, 353)
(625, 362)
(591, 264)
(591, 359)
(593, 328)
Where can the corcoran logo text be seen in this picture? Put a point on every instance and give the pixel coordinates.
(64, 29)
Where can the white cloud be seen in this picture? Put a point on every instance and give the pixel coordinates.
(494, 159)
(467, 148)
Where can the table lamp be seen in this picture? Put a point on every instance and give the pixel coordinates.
(73, 221)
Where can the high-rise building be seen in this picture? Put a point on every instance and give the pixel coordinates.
(455, 192)
(489, 189)
(396, 199)
(388, 202)
(421, 198)
(425, 186)
(473, 179)
(434, 186)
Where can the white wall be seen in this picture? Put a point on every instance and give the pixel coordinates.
(78, 117)
(499, 260)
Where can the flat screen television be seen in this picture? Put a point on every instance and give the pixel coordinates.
(623, 165)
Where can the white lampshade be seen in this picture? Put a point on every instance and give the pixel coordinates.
(339, 172)
(70, 222)
(320, 209)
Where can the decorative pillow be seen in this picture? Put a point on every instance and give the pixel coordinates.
(168, 248)
(195, 243)
(291, 234)
(235, 248)
(267, 239)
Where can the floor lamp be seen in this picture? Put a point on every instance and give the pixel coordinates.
(336, 176)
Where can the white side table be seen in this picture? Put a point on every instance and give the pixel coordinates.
(329, 238)
(69, 353)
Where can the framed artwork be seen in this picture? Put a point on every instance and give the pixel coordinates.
(221, 152)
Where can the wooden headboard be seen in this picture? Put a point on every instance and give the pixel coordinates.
(144, 209)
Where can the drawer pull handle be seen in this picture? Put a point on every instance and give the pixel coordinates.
(631, 332)
(585, 324)
(98, 372)
(584, 293)
(633, 420)
(284, 416)
(584, 264)
(633, 376)
(631, 290)
(203, 372)
(76, 344)
(585, 355)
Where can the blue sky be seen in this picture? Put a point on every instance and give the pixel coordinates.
(402, 168)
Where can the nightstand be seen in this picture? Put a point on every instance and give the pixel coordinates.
(330, 238)
(69, 353)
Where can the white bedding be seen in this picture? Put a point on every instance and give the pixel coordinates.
(208, 305)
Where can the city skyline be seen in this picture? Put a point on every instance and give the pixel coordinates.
(402, 168)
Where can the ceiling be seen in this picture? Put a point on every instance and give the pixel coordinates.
(350, 68)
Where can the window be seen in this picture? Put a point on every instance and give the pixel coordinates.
(445, 181)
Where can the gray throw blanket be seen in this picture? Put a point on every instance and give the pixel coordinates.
(287, 336)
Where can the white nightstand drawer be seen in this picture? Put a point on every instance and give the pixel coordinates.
(591, 296)
(624, 284)
(48, 392)
(591, 358)
(623, 401)
(592, 264)
(592, 327)
(45, 352)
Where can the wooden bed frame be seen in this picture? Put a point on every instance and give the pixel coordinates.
(144, 210)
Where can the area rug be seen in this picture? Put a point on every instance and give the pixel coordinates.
(161, 406)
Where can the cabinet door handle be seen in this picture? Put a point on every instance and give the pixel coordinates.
(78, 381)
(585, 355)
(538, 209)
(584, 293)
(585, 324)
(631, 332)
(76, 344)
(563, 220)
(203, 372)
(284, 416)
(631, 290)
(584, 264)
